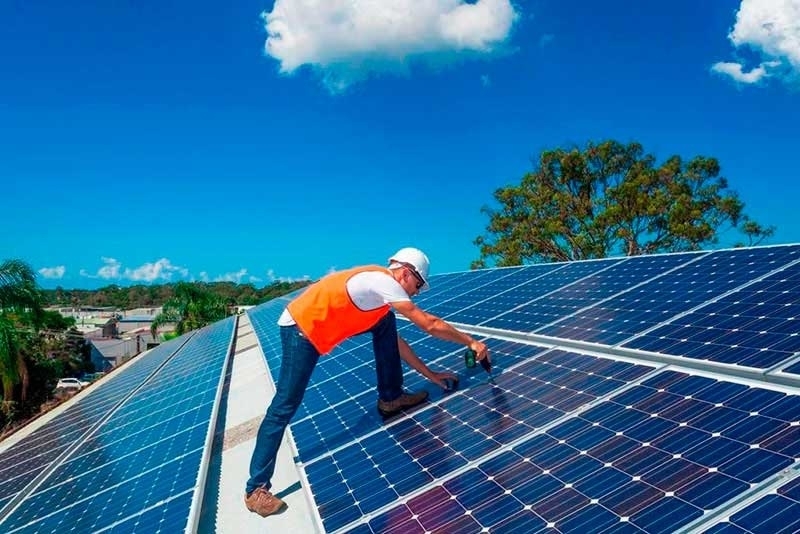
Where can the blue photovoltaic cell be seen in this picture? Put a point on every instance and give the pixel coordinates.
(450, 285)
(25, 460)
(454, 306)
(558, 308)
(776, 513)
(756, 326)
(652, 459)
(434, 441)
(587, 291)
(495, 313)
(144, 460)
(649, 304)
(340, 410)
(165, 519)
(793, 369)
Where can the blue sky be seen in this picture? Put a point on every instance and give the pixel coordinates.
(151, 142)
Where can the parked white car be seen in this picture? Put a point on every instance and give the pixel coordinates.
(71, 383)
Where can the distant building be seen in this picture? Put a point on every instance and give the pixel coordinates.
(109, 353)
(130, 320)
(82, 312)
(106, 327)
(134, 322)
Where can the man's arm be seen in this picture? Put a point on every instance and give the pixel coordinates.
(440, 328)
(410, 357)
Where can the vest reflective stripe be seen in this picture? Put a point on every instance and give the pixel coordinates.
(326, 314)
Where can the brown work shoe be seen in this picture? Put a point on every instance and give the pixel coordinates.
(262, 502)
(405, 400)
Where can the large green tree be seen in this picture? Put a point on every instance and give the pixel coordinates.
(21, 315)
(611, 198)
(193, 306)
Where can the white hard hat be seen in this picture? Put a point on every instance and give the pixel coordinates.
(417, 259)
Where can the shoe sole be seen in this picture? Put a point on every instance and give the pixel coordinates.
(277, 510)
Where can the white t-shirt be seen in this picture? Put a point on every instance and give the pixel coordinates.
(369, 290)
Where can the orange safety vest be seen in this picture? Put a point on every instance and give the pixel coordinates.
(326, 314)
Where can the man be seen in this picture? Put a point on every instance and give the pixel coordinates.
(336, 307)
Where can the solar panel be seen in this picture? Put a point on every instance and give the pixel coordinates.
(28, 458)
(584, 292)
(459, 428)
(651, 459)
(580, 431)
(486, 287)
(445, 286)
(141, 467)
(755, 326)
(647, 305)
(495, 312)
(778, 511)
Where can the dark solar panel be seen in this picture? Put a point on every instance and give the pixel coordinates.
(24, 461)
(647, 305)
(454, 306)
(551, 309)
(447, 286)
(652, 458)
(142, 463)
(391, 461)
(776, 512)
(755, 326)
(510, 308)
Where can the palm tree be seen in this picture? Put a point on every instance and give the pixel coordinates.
(191, 307)
(20, 309)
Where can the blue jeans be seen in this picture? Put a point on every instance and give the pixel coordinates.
(387, 358)
(297, 363)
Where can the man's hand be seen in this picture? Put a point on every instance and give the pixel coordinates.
(440, 379)
(481, 351)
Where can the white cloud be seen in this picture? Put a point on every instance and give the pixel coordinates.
(272, 277)
(53, 272)
(347, 41)
(771, 28)
(162, 269)
(110, 269)
(232, 277)
(734, 70)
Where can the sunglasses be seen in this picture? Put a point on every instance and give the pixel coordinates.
(420, 281)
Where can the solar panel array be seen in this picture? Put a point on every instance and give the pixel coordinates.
(644, 394)
(776, 512)
(131, 454)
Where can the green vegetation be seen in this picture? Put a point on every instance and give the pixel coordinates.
(151, 296)
(611, 198)
(37, 347)
(191, 307)
(20, 318)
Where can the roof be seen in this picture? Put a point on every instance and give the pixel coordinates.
(657, 393)
(114, 348)
(137, 319)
